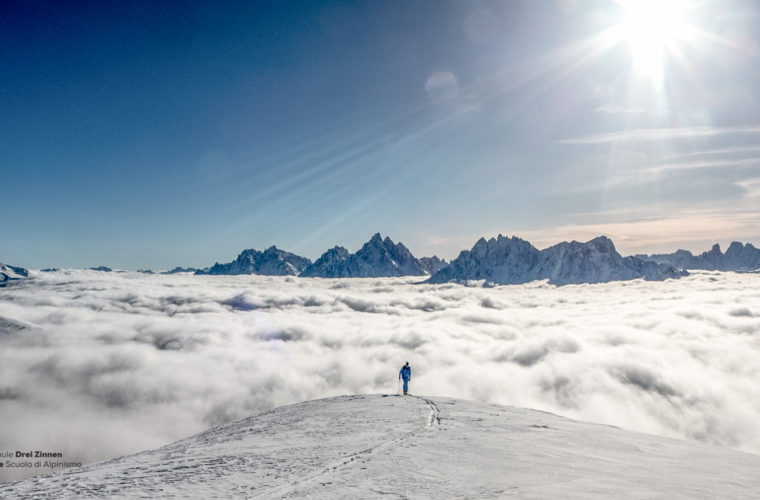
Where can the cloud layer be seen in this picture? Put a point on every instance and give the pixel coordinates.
(96, 365)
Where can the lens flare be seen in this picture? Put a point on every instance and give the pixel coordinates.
(653, 28)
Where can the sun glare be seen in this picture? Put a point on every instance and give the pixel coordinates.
(652, 28)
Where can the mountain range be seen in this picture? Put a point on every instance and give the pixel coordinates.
(378, 257)
(503, 261)
(738, 257)
(497, 261)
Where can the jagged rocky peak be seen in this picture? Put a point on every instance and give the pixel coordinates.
(595, 261)
(271, 262)
(513, 260)
(330, 264)
(499, 260)
(736, 247)
(603, 244)
(741, 257)
(338, 253)
(378, 257)
(433, 264)
(714, 252)
(501, 243)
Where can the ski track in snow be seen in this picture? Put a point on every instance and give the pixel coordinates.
(175, 467)
(410, 447)
(434, 418)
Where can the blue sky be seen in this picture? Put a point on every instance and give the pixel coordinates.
(149, 135)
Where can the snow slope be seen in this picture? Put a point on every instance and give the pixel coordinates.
(411, 447)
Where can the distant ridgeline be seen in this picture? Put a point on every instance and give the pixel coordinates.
(738, 257)
(377, 258)
(496, 261)
(505, 261)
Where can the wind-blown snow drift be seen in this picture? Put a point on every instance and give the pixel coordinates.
(418, 447)
(97, 365)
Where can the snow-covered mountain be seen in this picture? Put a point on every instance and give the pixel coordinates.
(596, 261)
(11, 273)
(498, 260)
(102, 269)
(738, 257)
(179, 269)
(513, 260)
(410, 447)
(433, 264)
(377, 258)
(272, 262)
(334, 262)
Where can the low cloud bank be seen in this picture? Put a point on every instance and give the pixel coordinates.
(97, 365)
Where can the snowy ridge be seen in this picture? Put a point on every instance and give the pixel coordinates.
(504, 261)
(11, 273)
(374, 446)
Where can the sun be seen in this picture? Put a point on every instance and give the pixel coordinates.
(652, 28)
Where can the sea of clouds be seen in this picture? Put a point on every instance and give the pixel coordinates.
(97, 365)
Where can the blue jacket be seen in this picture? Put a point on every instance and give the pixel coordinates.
(406, 372)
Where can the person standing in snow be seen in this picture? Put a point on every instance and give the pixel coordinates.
(406, 374)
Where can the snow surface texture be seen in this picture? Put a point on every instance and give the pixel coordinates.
(411, 447)
(97, 365)
(513, 261)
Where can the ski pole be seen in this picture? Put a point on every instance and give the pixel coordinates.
(398, 387)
